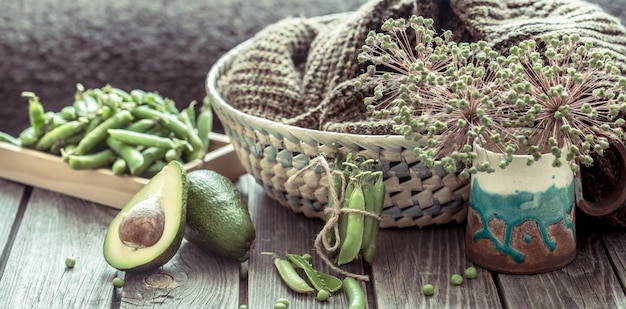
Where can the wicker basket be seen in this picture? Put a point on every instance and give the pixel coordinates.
(273, 152)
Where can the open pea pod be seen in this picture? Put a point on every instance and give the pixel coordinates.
(319, 281)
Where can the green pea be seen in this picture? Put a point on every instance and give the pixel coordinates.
(457, 279)
(70, 262)
(356, 296)
(118, 282)
(323, 295)
(100, 134)
(280, 306)
(283, 301)
(307, 257)
(291, 277)
(243, 307)
(428, 289)
(470, 272)
(351, 244)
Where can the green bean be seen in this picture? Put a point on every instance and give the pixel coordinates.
(35, 112)
(291, 277)
(351, 244)
(373, 226)
(91, 161)
(133, 157)
(99, 134)
(8, 138)
(311, 273)
(204, 123)
(143, 139)
(59, 133)
(119, 166)
(356, 296)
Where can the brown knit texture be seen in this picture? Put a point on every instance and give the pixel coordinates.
(302, 73)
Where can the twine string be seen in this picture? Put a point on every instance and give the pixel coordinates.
(333, 215)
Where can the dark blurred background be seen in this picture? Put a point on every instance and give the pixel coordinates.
(47, 46)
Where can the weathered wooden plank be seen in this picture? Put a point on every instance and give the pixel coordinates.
(588, 282)
(407, 259)
(281, 231)
(615, 243)
(55, 226)
(10, 197)
(192, 279)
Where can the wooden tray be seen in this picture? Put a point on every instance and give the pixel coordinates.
(47, 171)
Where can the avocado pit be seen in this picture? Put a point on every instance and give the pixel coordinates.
(142, 226)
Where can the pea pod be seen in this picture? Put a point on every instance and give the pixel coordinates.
(86, 106)
(133, 157)
(92, 161)
(143, 139)
(374, 226)
(99, 134)
(204, 123)
(311, 273)
(8, 138)
(28, 137)
(118, 167)
(343, 219)
(356, 296)
(35, 112)
(150, 155)
(59, 133)
(337, 185)
(351, 244)
(141, 125)
(289, 275)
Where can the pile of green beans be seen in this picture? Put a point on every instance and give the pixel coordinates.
(363, 190)
(135, 133)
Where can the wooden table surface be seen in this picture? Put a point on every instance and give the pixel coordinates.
(40, 228)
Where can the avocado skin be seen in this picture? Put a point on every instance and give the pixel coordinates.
(169, 253)
(218, 219)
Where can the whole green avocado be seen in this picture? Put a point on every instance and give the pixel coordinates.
(218, 219)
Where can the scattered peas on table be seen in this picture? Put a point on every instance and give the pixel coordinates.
(131, 133)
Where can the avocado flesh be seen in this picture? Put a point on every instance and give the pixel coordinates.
(169, 187)
(217, 216)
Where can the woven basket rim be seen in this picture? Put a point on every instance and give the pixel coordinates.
(225, 60)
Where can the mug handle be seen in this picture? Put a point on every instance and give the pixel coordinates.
(616, 199)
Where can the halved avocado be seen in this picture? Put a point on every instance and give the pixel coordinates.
(148, 231)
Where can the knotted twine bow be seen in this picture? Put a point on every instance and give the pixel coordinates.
(333, 214)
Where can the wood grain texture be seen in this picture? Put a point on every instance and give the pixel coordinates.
(407, 259)
(56, 226)
(588, 282)
(281, 231)
(10, 197)
(192, 279)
